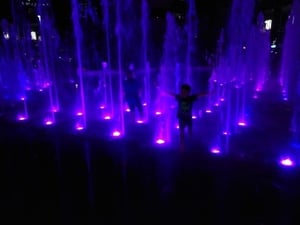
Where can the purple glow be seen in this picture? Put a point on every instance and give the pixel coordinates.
(215, 150)
(255, 96)
(22, 118)
(208, 111)
(48, 122)
(194, 117)
(160, 141)
(116, 133)
(158, 113)
(127, 110)
(79, 113)
(54, 109)
(217, 104)
(287, 162)
(22, 98)
(140, 121)
(225, 133)
(107, 117)
(144, 104)
(242, 123)
(79, 126)
(222, 99)
(102, 106)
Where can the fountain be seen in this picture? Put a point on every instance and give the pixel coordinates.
(289, 74)
(239, 76)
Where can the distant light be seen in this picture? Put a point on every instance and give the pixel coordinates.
(40, 90)
(127, 110)
(287, 162)
(48, 122)
(194, 117)
(54, 109)
(215, 150)
(104, 65)
(22, 118)
(158, 113)
(79, 126)
(39, 17)
(242, 124)
(116, 133)
(285, 99)
(79, 113)
(273, 46)
(208, 111)
(107, 117)
(6, 35)
(255, 96)
(33, 35)
(177, 126)
(160, 141)
(222, 99)
(22, 98)
(225, 133)
(144, 104)
(268, 24)
(102, 107)
(217, 104)
(140, 121)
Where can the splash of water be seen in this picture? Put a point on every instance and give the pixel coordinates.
(78, 35)
(191, 30)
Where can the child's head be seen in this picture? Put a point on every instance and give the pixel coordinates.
(185, 90)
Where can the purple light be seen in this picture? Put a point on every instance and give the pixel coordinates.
(79, 126)
(177, 126)
(48, 122)
(102, 106)
(140, 121)
(22, 98)
(160, 141)
(255, 96)
(79, 113)
(217, 104)
(287, 162)
(158, 113)
(208, 111)
(40, 90)
(144, 104)
(107, 117)
(116, 133)
(222, 99)
(22, 118)
(54, 109)
(194, 117)
(215, 150)
(242, 124)
(225, 133)
(127, 110)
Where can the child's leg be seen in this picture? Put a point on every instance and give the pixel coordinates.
(190, 129)
(139, 106)
(132, 111)
(181, 135)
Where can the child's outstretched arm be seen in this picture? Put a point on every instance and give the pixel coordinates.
(202, 94)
